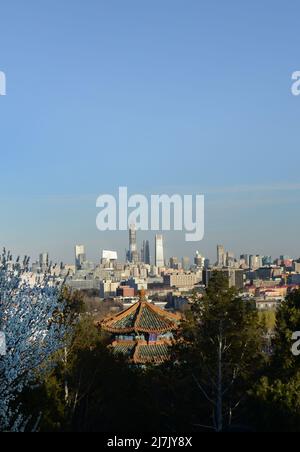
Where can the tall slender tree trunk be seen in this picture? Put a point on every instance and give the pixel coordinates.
(66, 380)
(219, 410)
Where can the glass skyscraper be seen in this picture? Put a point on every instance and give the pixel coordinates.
(159, 251)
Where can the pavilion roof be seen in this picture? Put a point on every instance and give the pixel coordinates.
(142, 317)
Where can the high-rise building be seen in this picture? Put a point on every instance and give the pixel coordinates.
(80, 256)
(199, 260)
(44, 261)
(159, 251)
(206, 263)
(221, 256)
(255, 262)
(109, 258)
(244, 258)
(174, 263)
(186, 263)
(133, 252)
(286, 261)
(230, 259)
(267, 261)
(145, 254)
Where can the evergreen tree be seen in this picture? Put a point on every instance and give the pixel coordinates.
(276, 399)
(285, 363)
(222, 348)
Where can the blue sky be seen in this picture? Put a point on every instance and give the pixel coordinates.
(160, 96)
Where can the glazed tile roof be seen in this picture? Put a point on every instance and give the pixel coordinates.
(126, 349)
(156, 353)
(140, 352)
(142, 317)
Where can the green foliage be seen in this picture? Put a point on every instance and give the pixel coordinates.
(219, 377)
(275, 405)
(268, 319)
(276, 398)
(222, 347)
(106, 394)
(73, 300)
(285, 364)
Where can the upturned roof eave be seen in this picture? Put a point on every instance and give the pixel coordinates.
(140, 330)
(171, 321)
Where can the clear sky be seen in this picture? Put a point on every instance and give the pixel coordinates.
(161, 96)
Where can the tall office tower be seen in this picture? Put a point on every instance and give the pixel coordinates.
(44, 261)
(133, 252)
(199, 260)
(245, 258)
(259, 260)
(145, 253)
(255, 262)
(251, 261)
(80, 256)
(206, 263)
(174, 264)
(230, 259)
(221, 256)
(186, 264)
(159, 251)
(267, 261)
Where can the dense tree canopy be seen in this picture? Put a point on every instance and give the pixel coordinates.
(276, 398)
(221, 346)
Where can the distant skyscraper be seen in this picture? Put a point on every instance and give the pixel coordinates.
(174, 263)
(186, 263)
(255, 262)
(80, 256)
(221, 256)
(230, 259)
(267, 261)
(109, 258)
(159, 251)
(245, 258)
(44, 261)
(145, 255)
(206, 263)
(199, 260)
(133, 252)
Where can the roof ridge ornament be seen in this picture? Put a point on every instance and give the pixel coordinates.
(142, 295)
(142, 317)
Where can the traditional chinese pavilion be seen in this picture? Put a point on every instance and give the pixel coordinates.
(142, 332)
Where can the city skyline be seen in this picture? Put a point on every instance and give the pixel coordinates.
(150, 252)
(183, 99)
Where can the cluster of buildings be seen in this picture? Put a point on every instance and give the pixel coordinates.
(265, 280)
(142, 326)
(173, 283)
